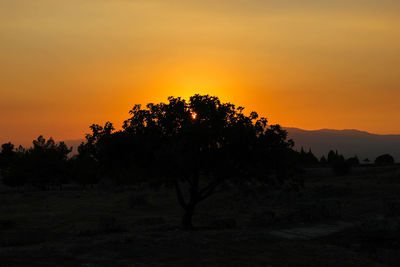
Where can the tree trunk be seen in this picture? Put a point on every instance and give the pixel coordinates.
(189, 205)
(187, 217)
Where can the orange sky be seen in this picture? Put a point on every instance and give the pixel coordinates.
(309, 64)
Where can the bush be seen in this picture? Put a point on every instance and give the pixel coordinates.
(385, 159)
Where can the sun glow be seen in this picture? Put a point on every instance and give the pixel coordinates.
(283, 59)
(194, 115)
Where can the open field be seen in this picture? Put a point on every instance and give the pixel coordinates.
(334, 221)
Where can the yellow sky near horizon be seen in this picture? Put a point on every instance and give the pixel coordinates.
(309, 64)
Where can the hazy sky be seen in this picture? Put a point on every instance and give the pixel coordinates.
(309, 64)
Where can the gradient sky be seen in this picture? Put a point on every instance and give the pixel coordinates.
(310, 64)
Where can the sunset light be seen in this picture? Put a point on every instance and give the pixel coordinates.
(319, 64)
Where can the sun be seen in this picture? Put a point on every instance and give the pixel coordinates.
(194, 115)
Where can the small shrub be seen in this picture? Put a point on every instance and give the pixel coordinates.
(385, 159)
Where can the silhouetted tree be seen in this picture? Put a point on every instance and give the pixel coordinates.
(385, 159)
(7, 159)
(91, 160)
(353, 161)
(42, 165)
(6, 156)
(84, 166)
(195, 145)
(339, 164)
(307, 158)
(333, 157)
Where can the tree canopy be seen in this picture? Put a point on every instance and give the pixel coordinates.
(384, 159)
(201, 143)
(43, 164)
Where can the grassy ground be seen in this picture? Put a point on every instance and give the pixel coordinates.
(141, 228)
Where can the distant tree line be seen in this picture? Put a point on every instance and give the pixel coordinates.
(44, 165)
(337, 162)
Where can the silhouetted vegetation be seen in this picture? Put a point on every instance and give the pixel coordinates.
(43, 165)
(195, 145)
(338, 163)
(307, 159)
(192, 146)
(385, 159)
(353, 161)
(7, 157)
(121, 189)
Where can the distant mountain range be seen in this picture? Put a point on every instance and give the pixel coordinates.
(347, 142)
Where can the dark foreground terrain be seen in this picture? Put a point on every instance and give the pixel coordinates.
(335, 221)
